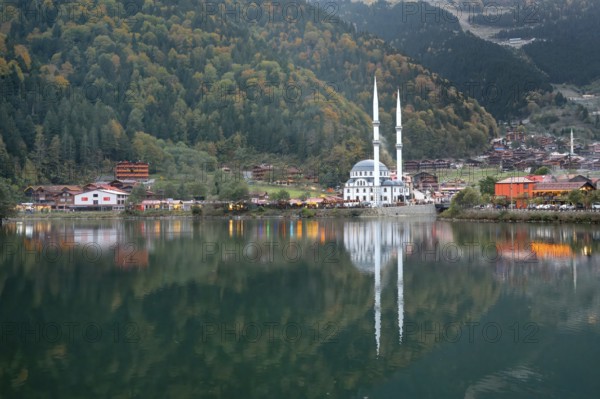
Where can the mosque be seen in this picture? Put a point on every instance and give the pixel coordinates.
(370, 180)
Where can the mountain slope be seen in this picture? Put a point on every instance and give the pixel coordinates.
(566, 41)
(81, 86)
(494, 75)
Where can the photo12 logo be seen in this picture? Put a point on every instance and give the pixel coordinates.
(227, 93)
(472, 332)
(271, 332)
(48, 13)
(486, 12)
(53, 92)
(69, 332)
(254, 12)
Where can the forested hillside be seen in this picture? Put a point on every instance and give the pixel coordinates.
(185, 83)
(498, 78)
(566, 40)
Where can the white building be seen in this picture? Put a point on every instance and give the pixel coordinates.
(102, 199)
(370, 180)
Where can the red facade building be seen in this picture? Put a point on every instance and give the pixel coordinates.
(516, 189)
(126, 170)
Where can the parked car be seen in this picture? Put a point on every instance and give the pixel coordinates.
(546, 207)
(566, 207)
(596, 206)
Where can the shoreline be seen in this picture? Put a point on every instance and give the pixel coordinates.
(520, 216)
(303, 213)
(469, 215)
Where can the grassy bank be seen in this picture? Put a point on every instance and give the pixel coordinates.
(492, 215)
(207, 211)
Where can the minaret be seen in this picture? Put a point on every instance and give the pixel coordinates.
(377, 259)
(375, 144)
(398, 139)
(572, 151)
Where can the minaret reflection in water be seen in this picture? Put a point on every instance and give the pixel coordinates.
(372, 246)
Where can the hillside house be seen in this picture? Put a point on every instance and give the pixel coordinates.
(126, 170)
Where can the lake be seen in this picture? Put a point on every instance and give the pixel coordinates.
(340, 308)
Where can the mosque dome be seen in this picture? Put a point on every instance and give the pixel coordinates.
(366, 168)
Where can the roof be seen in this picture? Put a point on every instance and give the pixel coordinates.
(110, 190)
(566, 186)
(393, 183)
(513, 180)
(54, 188)
(541, 178)
(367, 165)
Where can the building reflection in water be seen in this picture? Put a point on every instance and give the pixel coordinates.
(62, 240)
(372, 247)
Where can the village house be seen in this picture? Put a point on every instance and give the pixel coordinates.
(294, 173)
(259, 198)
(515, 135)
(591, 164)
(549, 191)
(424, 181)
(573, 178)
(103, 199)
(594, 148)
(262, 172)
(449, 188)
(52, 196)
(411, 166)
(126, 170)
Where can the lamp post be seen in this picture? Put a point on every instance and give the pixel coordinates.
(511, 196)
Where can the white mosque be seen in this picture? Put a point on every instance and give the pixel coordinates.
(370, 180)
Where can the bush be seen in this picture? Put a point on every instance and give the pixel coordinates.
(131, 212)
(307, 213)
(197, 210)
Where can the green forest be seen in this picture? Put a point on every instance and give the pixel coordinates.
(500, 79)
(88, 83)
(566, 40)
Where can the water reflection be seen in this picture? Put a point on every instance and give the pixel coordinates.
(372, 245)
(339, 308)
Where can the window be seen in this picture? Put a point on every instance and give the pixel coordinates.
(526, 185)
(95, 195)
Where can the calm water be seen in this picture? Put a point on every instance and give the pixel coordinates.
(305, 309)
